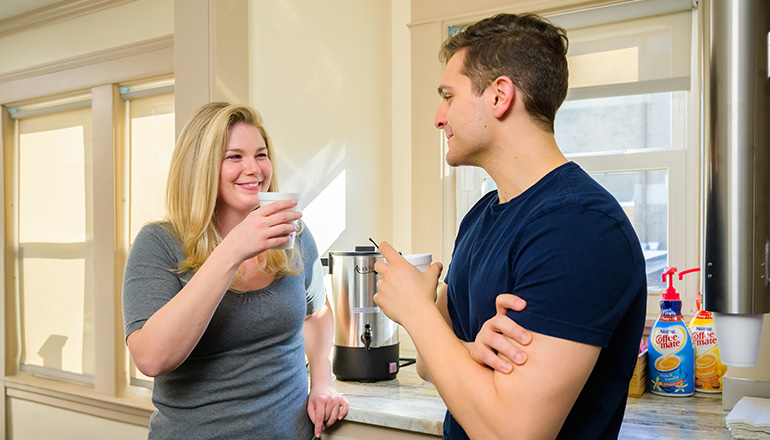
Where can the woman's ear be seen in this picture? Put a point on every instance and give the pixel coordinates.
(503, 94)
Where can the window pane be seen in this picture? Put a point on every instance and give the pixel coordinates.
(647, 49)
(54, 249)
(616, 124)
(52, 186)
(643, 195)
(54, 315)
(152, 142)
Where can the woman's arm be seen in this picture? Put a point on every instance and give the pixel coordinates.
(171, 333)
(325, 405)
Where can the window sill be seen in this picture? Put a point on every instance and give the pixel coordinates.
(135, 410)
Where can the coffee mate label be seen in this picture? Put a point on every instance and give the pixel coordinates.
(709, 370)
(670, 359)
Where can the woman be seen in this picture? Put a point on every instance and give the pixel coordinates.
(213, 311)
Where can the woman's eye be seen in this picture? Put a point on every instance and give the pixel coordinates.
(234, 156)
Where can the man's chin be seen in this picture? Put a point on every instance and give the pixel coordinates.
(454, 161)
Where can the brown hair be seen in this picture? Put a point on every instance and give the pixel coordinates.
(528, 49)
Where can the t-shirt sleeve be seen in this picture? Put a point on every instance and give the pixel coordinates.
(575, 268)
(313, 273)
(150, 280)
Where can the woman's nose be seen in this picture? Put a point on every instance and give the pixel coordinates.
(252, 167)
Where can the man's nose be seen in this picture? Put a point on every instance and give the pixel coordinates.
(440, 120)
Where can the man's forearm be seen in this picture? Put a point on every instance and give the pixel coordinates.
(474, 400)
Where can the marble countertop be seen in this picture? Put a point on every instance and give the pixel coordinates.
(406, 402)
(411, 404)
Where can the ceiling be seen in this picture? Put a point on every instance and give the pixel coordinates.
(12, 8)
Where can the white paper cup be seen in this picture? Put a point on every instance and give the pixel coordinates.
(738, 338)
(420, 261)
(266, 198)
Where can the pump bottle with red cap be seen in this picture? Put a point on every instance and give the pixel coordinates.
(708, 366)
(670, 351)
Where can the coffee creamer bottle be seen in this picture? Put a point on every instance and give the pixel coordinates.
(708, 366)
(670, 352)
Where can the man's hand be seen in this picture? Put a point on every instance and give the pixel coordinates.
(498, 343)
(403, 291)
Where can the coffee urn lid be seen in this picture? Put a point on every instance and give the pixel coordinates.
(360, 251)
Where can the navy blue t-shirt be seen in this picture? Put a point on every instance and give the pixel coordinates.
(567, 248)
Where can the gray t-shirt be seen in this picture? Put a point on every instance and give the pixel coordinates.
(246, 378)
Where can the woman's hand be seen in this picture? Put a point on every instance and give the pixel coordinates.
(498, 343)
(325, 406)
(265, 228)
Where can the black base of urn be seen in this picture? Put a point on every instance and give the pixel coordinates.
(365, 365)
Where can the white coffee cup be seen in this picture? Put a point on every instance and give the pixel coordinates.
(266, 198)
(420, 261)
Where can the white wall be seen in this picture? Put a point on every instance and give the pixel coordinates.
(320, 74)
(30, 420)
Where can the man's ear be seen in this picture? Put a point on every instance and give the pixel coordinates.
(503, 94)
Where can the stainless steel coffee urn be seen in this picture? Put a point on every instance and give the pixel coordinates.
(365, 340)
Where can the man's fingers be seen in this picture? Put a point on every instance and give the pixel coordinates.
(505, 347)
(388, 252)
(489, 358)
(507, 301)
(505, 325)
(435, 269)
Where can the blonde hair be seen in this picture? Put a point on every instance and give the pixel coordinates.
(193, 186)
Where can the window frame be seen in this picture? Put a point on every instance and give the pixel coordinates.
(682, 160)
(99, 74)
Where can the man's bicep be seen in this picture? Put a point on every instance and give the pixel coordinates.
(547, 386)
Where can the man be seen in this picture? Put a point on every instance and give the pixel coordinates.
(550, 235)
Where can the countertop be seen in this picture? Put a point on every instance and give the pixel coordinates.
(411, 404)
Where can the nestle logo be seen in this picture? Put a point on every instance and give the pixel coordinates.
(364, 269)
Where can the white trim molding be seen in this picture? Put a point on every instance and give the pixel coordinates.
(143, 59)
(59, 11)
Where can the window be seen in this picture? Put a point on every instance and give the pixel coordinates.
(55, 255)
(151, 142)
(631, 120)
(62, 217)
